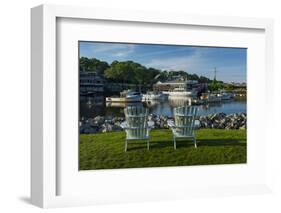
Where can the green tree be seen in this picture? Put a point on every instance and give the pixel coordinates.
(203, 79)
(215, 86)
(127, 72)
(135, 73)
(93, 65)
(229, 87)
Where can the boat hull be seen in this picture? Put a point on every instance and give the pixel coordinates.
(125, 100)
(153, 97)
(180, 94)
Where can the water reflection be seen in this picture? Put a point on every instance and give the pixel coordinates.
(94, 106)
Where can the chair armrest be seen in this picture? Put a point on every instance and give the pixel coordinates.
(150, 124)
(171, 124)
(196, 123)
(124, 125)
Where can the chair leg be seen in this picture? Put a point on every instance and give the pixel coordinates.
(175, 145)
(195, 144)
(126, 144)
(147, 144)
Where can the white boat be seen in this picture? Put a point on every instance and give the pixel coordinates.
(126, 96)
(210, 98)
(149, 96)
(226, 96)
(181, 92)
(213, 98)
(122, 104)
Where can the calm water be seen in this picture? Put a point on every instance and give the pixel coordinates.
(94, 106)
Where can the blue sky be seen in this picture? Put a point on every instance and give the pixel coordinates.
(229, 62)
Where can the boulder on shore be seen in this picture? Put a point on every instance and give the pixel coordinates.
(215, 121)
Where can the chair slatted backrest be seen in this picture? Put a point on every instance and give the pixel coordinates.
(185, 120)
(136, 118)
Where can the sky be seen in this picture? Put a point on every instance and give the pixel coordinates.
(230, 63)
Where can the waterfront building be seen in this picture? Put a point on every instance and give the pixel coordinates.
(90, 82)
(187, 85)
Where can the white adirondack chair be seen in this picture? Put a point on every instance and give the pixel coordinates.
(183, 126)
(136, 125)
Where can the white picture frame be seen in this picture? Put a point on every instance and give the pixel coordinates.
(44, 149)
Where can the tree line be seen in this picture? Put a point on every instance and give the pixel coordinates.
(134, 73)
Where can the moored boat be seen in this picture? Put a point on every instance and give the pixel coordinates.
(226, 96)
(181, 92)
(210, 98)
(126, 96)
(122, 104)
(149, 96)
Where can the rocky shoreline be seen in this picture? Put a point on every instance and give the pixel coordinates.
(215, 121)
(223, 121)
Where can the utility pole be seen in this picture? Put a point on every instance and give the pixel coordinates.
(215, 77)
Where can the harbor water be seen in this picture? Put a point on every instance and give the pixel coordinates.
(91, 107)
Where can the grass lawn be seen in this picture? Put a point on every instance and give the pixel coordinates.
(215, 146)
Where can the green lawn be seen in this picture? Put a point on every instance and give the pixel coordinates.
(215, 146)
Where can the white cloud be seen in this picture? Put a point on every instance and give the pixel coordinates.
(118, 50)
(200, 63)
(186, 63)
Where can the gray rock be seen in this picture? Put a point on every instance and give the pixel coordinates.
(110, 127)
(99, 120)
(216, 120)
(223, 121)
(86, 128)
